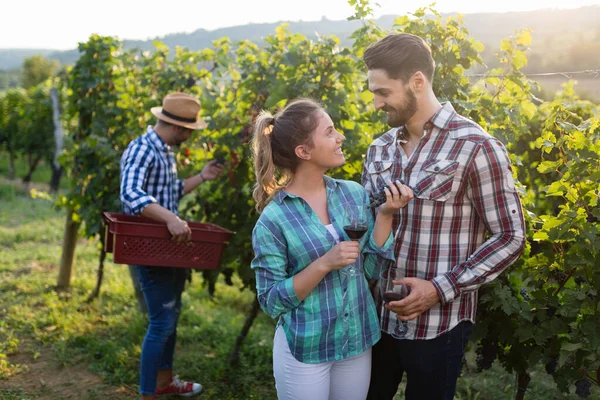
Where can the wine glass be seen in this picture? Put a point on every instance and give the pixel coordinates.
(355, 225)
(394, 292)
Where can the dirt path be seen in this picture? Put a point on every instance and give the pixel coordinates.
(42, 378)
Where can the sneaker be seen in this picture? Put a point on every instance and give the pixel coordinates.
(180, 388)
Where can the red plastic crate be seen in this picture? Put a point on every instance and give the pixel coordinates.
(138, 240)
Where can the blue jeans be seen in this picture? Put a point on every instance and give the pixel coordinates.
(432, 366)
(162, 288)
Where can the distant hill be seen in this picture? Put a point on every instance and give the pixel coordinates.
(13, 58)
(555, 32)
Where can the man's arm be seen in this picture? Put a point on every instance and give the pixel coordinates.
(210, 171)
(177, 227)
(496, 202)
(138, 159)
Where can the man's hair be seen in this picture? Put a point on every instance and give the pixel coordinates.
(400, 56)
(163, 123)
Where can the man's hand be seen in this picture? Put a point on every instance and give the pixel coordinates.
(422, 297)
(211, 170)
(179, 229)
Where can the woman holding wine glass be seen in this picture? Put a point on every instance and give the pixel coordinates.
(310, 275)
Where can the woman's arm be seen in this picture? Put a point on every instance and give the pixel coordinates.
(278, 292)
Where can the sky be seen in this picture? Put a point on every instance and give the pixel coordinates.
(61, 24)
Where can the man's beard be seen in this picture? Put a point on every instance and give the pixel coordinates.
(179, 140)
(400, 116)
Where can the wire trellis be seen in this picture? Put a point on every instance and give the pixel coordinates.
(568, 75)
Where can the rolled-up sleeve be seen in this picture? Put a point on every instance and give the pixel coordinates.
(274, 286)
(496, 201)
(137, 160)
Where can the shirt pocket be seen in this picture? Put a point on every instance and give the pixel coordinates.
(435, 180)
(379, 173)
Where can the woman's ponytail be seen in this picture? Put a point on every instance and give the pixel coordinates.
(266, 183)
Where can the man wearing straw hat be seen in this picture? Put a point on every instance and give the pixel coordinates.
(150, 187)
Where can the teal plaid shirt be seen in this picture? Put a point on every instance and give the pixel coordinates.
(338, 319)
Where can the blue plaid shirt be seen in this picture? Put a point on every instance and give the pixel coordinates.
(149, 175)
(338, 319)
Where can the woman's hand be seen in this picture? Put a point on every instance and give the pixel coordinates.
(397, 196)
(342, 254)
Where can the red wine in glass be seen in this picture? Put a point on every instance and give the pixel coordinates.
(393, 292)
(355, 224)
(395, 296)
(355, 232)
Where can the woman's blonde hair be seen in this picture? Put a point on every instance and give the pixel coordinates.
(274, 144)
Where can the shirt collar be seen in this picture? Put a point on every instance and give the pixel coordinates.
(156, 140)
(443, 116)
(440, 119)
(330, 185)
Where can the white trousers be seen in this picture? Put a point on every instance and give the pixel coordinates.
(336, 380)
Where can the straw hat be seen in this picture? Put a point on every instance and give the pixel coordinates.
(180, 109)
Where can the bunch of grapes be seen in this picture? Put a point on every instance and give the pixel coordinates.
(552, 365)
(379, 198)
(583, 387)
(560, 276)
(486, 354)
(525, 294)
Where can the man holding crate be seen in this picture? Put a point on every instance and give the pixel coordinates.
(150, 187)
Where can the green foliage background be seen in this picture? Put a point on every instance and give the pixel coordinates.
(543, 309)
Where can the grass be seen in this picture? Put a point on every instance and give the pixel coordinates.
(104, 337)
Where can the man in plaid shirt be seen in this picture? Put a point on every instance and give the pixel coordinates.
(462, 229)
(150, 187)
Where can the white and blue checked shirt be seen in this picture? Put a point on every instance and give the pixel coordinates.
(149, 175)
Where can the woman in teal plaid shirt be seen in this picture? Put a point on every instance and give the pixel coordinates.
(327, 322)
